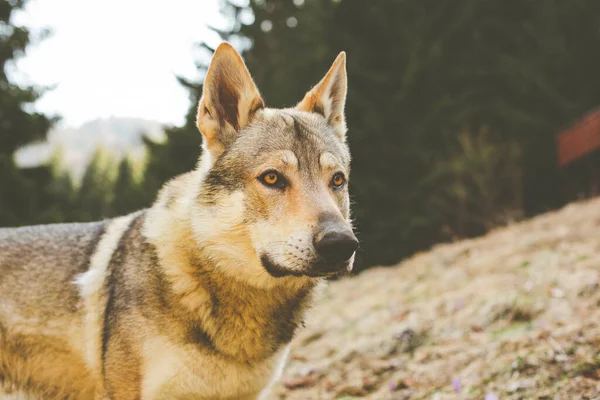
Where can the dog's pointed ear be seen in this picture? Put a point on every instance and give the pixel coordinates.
(229, 100)
(328, 97)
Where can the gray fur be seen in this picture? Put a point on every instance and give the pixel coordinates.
(38, 264)
(198, 296)
(37, 267)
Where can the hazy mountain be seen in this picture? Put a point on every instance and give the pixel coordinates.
(118, 136)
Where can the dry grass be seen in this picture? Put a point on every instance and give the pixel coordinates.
(514, 314)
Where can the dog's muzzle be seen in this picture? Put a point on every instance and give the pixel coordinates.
(334, 246)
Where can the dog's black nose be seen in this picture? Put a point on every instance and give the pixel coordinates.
(336, 246)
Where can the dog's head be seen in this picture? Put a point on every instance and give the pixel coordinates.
(273, 198)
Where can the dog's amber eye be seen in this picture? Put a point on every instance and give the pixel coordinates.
(273, 179)
(338, 181)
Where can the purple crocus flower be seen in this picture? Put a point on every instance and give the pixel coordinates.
(456, 385)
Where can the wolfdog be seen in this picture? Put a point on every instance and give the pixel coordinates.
(199, 296)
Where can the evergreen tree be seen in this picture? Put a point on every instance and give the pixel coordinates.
(176, 155)
(96, 189)
(127, 194)
(289, 46)
(17, 126)
(61, 199)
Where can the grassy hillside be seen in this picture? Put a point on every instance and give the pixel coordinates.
(512, 315)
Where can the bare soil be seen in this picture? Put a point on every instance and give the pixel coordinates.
(511, 315)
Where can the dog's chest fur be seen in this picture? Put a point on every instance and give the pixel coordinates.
(232, 345)
(201, 334)
(175, 370)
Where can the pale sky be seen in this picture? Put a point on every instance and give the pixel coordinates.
(116, 57)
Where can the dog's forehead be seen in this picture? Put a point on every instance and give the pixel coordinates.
(307, 135)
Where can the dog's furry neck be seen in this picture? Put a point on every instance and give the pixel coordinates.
(245, 322)
(227, 315)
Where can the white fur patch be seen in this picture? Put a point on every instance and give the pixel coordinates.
(14, 396)
(156, 373)
(277, 372)
(328, 161)
(208, 225)
(91, 285)
(181, 371)
(288, 157)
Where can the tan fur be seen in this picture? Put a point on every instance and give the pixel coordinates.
(169, 367)
(199, 296)
(41, 366)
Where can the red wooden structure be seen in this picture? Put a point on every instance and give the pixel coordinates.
(581, 141)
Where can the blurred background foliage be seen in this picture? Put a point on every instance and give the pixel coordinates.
(453, 110)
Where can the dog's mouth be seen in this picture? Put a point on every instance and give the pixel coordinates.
(319, 269)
